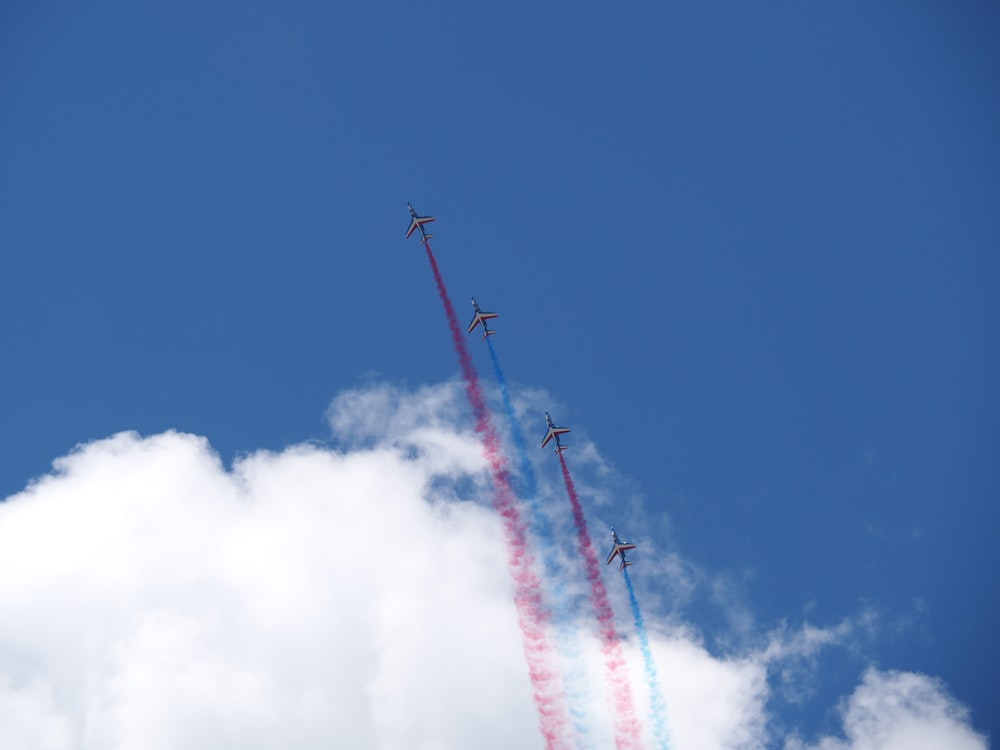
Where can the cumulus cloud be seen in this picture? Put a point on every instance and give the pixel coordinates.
(900, 711)
(354, 596)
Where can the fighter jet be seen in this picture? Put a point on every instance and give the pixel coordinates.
(554, 432)
(417, 222)
(481, 317)
(619, 547)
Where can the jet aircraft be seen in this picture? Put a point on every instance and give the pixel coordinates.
(619, 547)
(554, 432)
(417, 222)
(481, 317)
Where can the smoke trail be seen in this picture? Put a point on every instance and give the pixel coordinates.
(524, 463)
(657, 706)
(627, 731)
(531, 614)
(567, 637)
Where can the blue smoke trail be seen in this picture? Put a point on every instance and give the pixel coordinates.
(530, 488)
(657, 706)
(567, 638)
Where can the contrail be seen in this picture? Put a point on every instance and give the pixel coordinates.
(567, 637)
(657, 706)
(627, 730)
(531, 614)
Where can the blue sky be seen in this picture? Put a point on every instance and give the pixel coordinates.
(750, 252)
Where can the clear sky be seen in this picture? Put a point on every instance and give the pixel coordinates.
(750, 254)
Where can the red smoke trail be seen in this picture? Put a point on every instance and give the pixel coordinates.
(531, 614)
(627, 730)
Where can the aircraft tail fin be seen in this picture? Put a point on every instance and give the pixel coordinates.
(486, 333)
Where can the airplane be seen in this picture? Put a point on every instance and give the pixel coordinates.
(417, 222)
(619, 549)
(554, 432)
(481, 317)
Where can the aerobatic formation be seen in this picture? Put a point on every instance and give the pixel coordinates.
(551, 645)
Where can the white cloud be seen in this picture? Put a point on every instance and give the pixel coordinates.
(28, 718)
(900, 711)
(792, 654)
(711, 702)
(352, 597)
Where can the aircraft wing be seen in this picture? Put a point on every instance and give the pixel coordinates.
(481, 318)
(416, 223)
(619, 548)
(553, 431)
